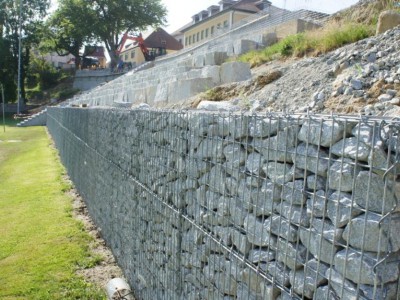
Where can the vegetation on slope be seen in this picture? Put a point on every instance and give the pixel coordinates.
(345, 27)
(41, 244)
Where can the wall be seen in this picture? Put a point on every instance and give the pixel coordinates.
(89, 79)
(201, 206)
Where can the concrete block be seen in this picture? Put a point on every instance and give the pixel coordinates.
(198, 61)
(183, 89)
(234, 72)
(212, 72)
(215, 58)
(243, 46)
(269, 39)
(161, 95)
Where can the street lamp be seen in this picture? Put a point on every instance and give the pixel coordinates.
(19, 104)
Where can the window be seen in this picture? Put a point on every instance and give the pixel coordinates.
(225, 23)
(133, 54)
(126, 56)
(198, 36)
(207, 33)
(190, 40)
(194, 38)
(186, 41)
(219, 26)
(202, 34)
(212, 29)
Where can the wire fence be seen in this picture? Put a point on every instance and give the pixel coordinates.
(226, 206)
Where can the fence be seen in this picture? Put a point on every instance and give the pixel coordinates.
(206, 206)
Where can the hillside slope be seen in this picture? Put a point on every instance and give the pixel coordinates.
(360, 78)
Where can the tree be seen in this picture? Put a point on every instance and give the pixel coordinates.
(114, 18)
(69, 28)
(28, 15)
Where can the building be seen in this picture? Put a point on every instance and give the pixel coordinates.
(158, 43)
(217, 17)
(96, 53)
(64, 62)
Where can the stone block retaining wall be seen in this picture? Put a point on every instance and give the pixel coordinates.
(203, 206)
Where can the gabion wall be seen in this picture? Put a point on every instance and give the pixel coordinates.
(203, 206)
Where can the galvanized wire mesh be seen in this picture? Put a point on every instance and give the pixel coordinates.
(214, 206)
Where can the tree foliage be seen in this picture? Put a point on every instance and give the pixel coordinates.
(32, 12)
(69, 28)
(113, 18)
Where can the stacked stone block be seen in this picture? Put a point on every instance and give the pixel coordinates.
(203, 206)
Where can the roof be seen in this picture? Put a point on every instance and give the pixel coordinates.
(159, 38)
(94, 51)
(242, 5)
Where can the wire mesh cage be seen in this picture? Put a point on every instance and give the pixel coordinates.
(226, 206)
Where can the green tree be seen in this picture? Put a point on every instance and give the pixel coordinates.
(69, 28)
(29, 15)
(113, 18)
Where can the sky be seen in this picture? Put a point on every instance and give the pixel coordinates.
(180, 12)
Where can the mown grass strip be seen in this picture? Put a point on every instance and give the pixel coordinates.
(41, 245)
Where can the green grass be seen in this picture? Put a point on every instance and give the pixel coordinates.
(41, 245)
(312, 42)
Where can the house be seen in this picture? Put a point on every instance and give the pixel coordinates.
(217, 17)
(96, 53)
(64, 62)
(158, 43)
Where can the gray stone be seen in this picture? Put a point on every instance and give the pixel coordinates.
(295, 214)
(215, 180)
(279, 147)
(316, 205)
(291, 255)
(239, 240)
(235, 155)
(254, 163)
(258, 233)
(235, 72)
(195, 168)
(217, 106)
(211, 148)
(268, 291)
(256, 256)
(370, 193)
(321, 248)
(293, 192)
(281, 227)
(370, 134)
(343, 288)
(239, 127)
(351, 148)
(324, 133)
(207, 198)
(263, 198)
(224, 233)
(328, 230)
(305, 281)
(310, 158)
(341, 208)
(237, 213)
(356, 84)
(215, 58)
(385, 97)
(279, 272)
(387, 292)
(324, 293)
(261, 128)
(225, 283)
(281, 172)
(251, 279)
(365, 232)
(341, 175)
(244, 292)
(359, 268)
(315, 182)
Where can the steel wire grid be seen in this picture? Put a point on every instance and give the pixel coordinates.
(224, 206)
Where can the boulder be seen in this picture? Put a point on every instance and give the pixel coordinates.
(387, 20)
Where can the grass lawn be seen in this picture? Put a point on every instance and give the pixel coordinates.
(41, 245)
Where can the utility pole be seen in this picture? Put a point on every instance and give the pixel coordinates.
(4, 100)
(19, 104)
